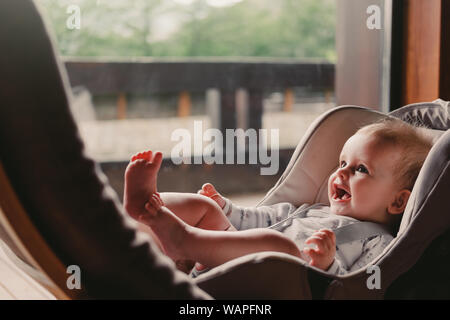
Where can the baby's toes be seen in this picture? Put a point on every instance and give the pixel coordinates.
(203, 192)
(147, 155)
(136, 156)
(209, 189)
(144, 155)
(156, 160)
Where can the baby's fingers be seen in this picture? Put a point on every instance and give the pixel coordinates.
(313, 254)
(318, 242)
(328, 234)
(322, 238)
(317, 238)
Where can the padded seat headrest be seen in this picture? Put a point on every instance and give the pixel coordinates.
(316, 156)
(434, 115)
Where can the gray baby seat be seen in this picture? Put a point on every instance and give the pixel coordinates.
(426, 221)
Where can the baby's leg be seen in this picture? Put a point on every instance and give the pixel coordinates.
(140, 181)
(196, 210)
(140, 184)
(213, 248)
(210, 248)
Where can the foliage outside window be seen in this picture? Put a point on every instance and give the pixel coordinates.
(189, 28)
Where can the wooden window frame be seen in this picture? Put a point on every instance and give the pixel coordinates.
(420, 61)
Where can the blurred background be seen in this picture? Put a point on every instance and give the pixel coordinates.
(140, 69)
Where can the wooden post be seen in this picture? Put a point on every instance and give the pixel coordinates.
(213, 106)
(255, 114)
(288, 100)
(184, 104)
(122, 106)
(426, 51)
(227, 114)
(242, 109)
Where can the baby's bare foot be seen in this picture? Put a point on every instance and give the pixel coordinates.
(209, 191)
(140, 181)
(170, 230)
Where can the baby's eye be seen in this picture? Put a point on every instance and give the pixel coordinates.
(362, 169)
(343, 164)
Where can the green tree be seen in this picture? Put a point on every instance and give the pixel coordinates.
(109, 28)
(262, 28)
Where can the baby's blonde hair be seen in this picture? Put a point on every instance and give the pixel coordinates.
(409, 139)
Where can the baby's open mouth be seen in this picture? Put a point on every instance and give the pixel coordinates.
(341, 194)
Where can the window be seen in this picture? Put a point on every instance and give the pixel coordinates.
(141, 69)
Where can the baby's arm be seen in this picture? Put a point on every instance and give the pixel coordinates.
(369, 250)
(323, 256)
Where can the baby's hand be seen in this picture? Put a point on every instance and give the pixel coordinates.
(323, 256)
(209, 191)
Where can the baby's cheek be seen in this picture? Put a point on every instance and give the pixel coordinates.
(330, 180)
(366, 200)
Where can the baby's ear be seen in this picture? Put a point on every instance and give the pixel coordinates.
(398, 205)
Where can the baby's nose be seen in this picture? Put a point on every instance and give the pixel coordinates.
(342, 173)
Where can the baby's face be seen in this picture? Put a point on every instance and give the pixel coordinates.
(364, 184)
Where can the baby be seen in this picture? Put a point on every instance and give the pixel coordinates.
(377, 169)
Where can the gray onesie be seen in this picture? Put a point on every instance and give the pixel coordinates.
(300, 223)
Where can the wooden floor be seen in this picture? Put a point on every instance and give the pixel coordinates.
(16, 284)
